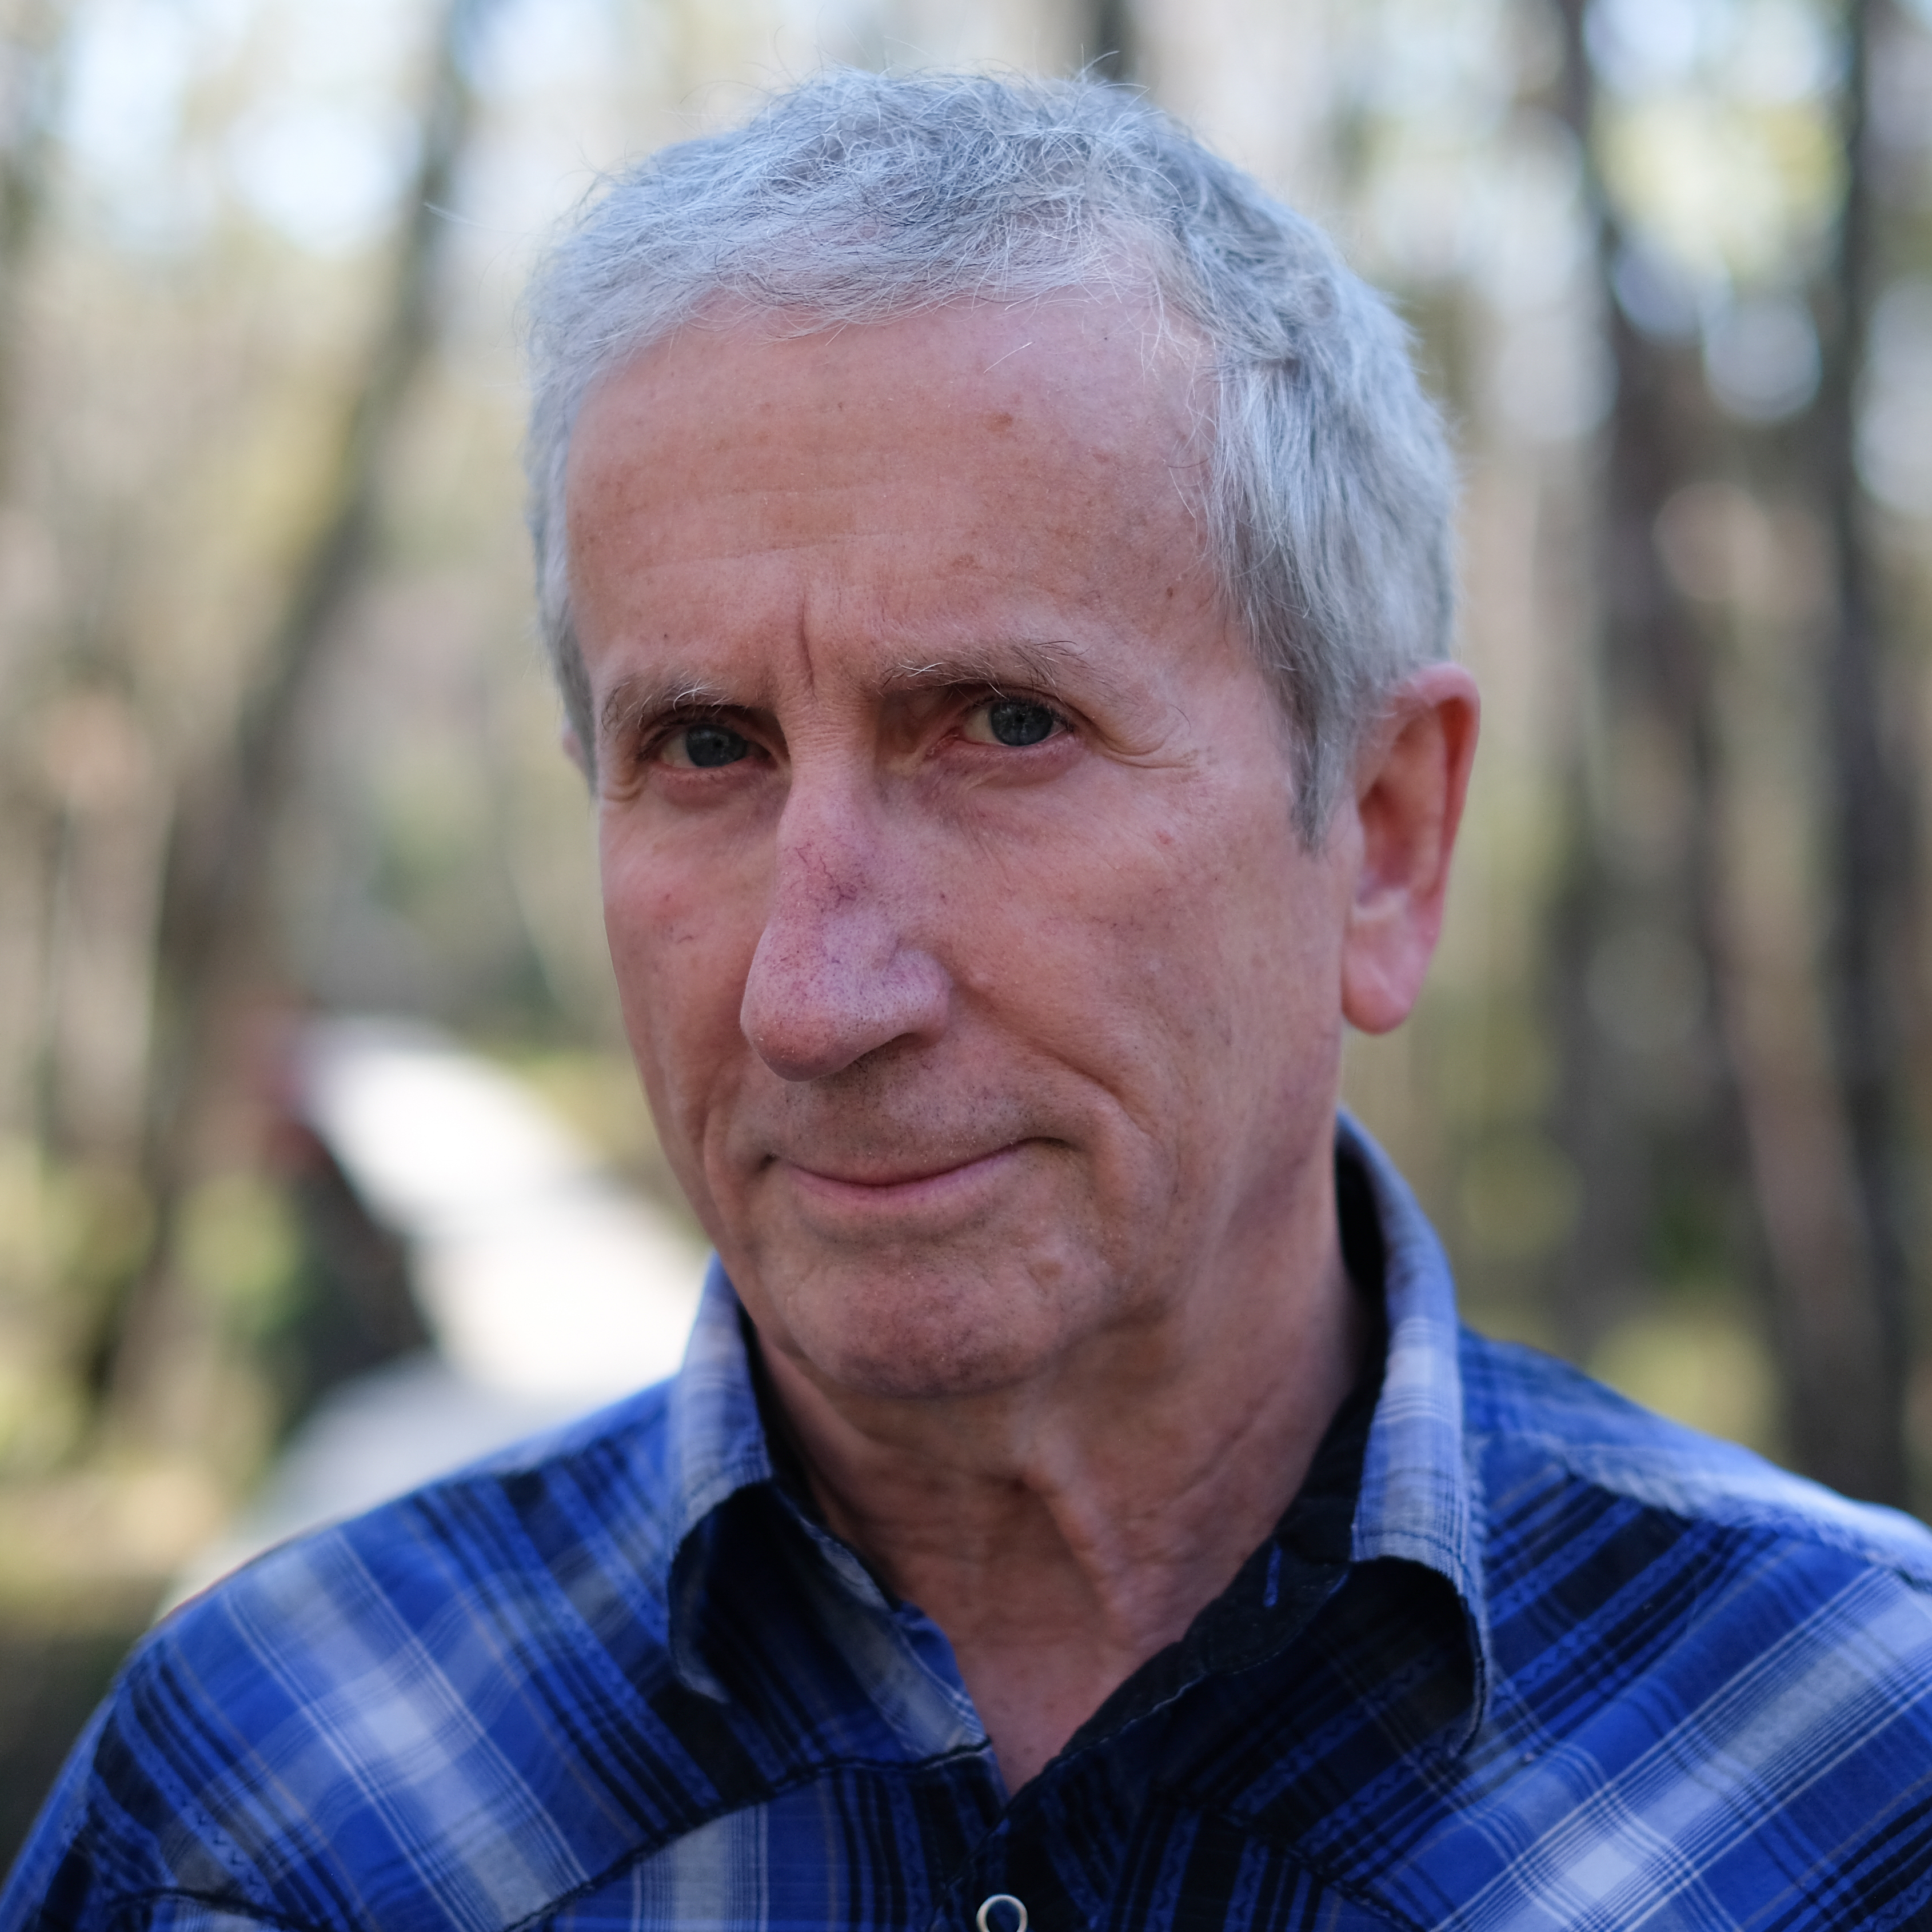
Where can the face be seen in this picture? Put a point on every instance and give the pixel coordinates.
(988, 1005)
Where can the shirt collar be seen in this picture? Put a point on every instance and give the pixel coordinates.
(715, 1446)
(1418, 1494)
(1418, 1497)
(716, 1436)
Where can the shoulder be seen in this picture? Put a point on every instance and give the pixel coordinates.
(1540, 1407)
(1701, 1679)
(492, 1540)
(1524, 1409)
(285, 1727)
(1592, 1492)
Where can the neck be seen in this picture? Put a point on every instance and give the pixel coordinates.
(1063, 1531)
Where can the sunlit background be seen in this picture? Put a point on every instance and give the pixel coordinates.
(280, 761)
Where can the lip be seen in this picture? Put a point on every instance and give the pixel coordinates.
(897, 1190)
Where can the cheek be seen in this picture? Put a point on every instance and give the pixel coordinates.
(681, 943)
(1232, 955)
(1148, 962)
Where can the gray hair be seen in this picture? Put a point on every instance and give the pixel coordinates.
(863, 197)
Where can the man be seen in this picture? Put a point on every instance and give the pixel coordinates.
(996, 564)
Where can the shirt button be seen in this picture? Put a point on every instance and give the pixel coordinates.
(1013, 1919)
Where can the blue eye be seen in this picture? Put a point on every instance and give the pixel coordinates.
(707, 746)
(1019, 720)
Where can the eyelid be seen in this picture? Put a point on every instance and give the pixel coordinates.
(984, 697)
(655, 732)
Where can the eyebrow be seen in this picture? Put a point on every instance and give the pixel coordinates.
(1045, 665)
(1048, 665)
(655, 694)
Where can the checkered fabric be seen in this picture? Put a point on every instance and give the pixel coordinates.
(1520, 1656)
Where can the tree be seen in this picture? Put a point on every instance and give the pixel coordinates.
(214, 915)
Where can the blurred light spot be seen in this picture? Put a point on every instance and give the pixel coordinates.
(534, 44)
(1552, 376)
(1770, 52)
(1645, 988)
(1531, 243)
(133, 63)
(160, 1513)
(1721, 545)
(1639, 45)
(1654, 291)
(1761, 358)
(1416, 62)
(1781, 52)
(1718, 191)
(1710, 1371)
(93, 752)
(1518, 1196)
(1701, 533)
(1422, 209)
(130, 63)
(327, 177)
(1895, 429)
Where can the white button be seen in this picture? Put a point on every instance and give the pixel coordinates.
(1019, 1924)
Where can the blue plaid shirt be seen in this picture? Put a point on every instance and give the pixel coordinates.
(1519, 1656)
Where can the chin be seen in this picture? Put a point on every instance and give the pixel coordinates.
(919, 1336)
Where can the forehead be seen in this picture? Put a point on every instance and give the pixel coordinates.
(1042, 428)
(1114, 363)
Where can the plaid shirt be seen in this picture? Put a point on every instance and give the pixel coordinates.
(1519, 1656)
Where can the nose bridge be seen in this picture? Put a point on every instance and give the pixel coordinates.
(836, 974)
(832, 863)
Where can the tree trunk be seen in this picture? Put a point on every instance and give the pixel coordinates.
(213, 912)
(1109, 52)
(1650, 1107)
(1800, 1164)
(1849, 1386)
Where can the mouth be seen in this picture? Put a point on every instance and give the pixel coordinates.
(900, 1186)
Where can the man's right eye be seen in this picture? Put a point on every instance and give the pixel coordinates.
(705, 746)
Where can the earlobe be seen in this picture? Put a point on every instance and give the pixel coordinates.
(1409, 792)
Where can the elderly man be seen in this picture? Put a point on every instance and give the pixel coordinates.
(996, 563)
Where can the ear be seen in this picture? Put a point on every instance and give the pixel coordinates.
(1410, 784)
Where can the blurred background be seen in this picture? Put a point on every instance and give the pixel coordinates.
(281, 809)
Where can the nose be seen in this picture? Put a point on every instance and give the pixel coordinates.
(834, 977)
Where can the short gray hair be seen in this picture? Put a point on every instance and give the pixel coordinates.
(863, 197)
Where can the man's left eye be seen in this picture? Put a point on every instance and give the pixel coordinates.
(1016, 722)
